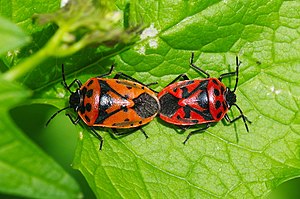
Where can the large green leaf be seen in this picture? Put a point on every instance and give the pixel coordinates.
(25, 169)
(265, 36)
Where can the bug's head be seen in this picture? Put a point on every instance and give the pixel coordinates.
(75, 100)
(230, 97)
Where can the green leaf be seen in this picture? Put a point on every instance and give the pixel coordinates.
(264, 34)
(211, 165)
(11, 36)
(20, 12)
(25, 169)
(85, 22)
(80, 24)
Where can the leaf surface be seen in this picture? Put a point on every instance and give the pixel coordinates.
(25, 169)
(214, 164)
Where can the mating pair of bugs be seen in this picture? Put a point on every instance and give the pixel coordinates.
(127, 103)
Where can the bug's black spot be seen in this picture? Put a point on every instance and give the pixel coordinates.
(90, 82)
(174, 90)
(134, 84)
(129, 87)
(178, 117)
(219, 115)
(87, 118)
(88, 107)
(114, 124)
(145, 105)
(215, 81)
(169, 104)
(216, 92)
(125, 109)
(185, 93)
(187, 111)
(203, 84)
(143, 87)
(202, 99)
(105, 102)
(190, 82)
(126, 120)
(217, 104)
(140, 122)
(131, 124)
(89, 93)
(104, 87)
(205, 114)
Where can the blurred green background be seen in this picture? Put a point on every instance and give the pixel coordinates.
(59, 141)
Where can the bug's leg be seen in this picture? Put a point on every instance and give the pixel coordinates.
(196, 67)
(238, 63)
(118, 133)
(236, 73)
(93, 131)
(120, 74)
(196, 131)
(108, 73)
(245, 119)
(56, 114)
(72, 120)
(178, 77)
(184, 128)
(141, 129)
(99, 137)
(123, 75)
(226, 75)
(71, 84)
(68, 87)
(150, 84)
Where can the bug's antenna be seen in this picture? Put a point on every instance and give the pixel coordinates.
(57, 112)
(64, 78)
(77, 81)
(238, 63)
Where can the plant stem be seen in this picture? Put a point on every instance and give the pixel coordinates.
(31, 62)
(25, 66)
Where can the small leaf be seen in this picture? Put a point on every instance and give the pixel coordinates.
(11, 36)
(88, 22)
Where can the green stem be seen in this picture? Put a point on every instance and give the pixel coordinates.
(31, 62)
(25, 66)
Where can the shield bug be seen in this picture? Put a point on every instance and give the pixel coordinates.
(112, 103)
(201, 101)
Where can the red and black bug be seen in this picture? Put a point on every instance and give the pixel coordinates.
(113, 103)
(202, 101)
